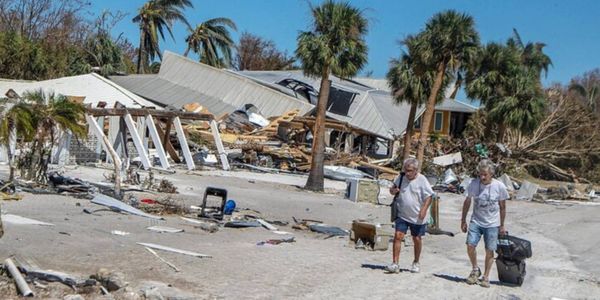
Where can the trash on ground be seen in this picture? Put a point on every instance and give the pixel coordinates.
(242, 224)
(16, 275)
(162, 259)
(119, 232)
(120, 206)
(169, 249)
(266, 224)
(164, 229)
(18, 220)
(276, 241)
(448, 159)
(329, 230)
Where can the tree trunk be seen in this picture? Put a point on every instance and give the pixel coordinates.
(409, 130)
(141, 52)
(429, 109)
(501, 132)
(316, 179)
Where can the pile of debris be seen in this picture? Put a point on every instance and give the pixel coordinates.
(278, 144)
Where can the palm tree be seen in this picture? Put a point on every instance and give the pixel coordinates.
(15, 120)
(50, 114)
(410, 84)
(506, 78)
(448, 43)
(335, 45)
(154, 17)
(212, 41)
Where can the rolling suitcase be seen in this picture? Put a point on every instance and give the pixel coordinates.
(511, 271)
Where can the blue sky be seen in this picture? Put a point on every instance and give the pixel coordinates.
(571, 29)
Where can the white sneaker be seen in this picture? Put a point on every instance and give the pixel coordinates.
(416, 268)
(393, 268)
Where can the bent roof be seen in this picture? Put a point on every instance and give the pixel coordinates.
(372, 110)
(93, 87)
(181, 81)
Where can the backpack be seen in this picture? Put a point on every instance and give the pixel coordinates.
(393, 206)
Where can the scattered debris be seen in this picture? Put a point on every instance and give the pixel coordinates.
(164, 229)
(162, 259)
(527, 191)
(206, 226)
(121, 233)
(112, 281)
(370, 236)
(120, 206)
(18, 220)
(266, 224)
(166, 248)
(448, 159)
(276, 241)
(242, 224)
(16, 275)
(329, 230)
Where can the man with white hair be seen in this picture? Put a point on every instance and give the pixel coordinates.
(489, 210)
(412, 197)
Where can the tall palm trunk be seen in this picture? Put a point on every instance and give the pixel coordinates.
(141, 52)
(501, 132)
(409, 130)
(316, 179)
(429, 109)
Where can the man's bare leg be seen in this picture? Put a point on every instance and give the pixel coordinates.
(398, 237)
(418, 245)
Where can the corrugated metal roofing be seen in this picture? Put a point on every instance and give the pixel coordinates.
(182, 81)
(372, 110)
(93, 87)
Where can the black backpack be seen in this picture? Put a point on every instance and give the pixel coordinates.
(394, 211)
(513, 248)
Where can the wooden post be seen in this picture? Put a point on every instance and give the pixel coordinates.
(109, 148)
(157, 143)
(184, 145)
(137, 141)
(222, 155)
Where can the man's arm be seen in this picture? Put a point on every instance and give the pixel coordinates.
(465, 210)
(502, 215)
(424, 208)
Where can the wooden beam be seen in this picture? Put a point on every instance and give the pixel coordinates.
(140, 112)
(166, 142)
(137, 141)
(189, 161)
(222, 155)
(157, 144)
(102, 137)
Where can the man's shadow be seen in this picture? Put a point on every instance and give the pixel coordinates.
(460, 279)
(380, 267)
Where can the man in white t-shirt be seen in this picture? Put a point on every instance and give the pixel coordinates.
(412, 193)
(489, 210)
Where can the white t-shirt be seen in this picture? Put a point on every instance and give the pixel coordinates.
(486, 206)
(413, 194)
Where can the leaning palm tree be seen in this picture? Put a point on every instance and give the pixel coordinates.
(410, 84)
(154, 17)
(212, 42)
(448, 43)
(335, 45)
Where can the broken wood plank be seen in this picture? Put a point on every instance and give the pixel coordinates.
(380, 168)
(142, 112)
(175, 250)
(162, 259)
(166, 142)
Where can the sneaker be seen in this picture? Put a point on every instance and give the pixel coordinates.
(484, 283)
(393, 268)
(416, 267)
(474, 276)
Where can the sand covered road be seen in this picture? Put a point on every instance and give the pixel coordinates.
(564, 264)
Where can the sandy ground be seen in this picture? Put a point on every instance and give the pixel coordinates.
(566, 246)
